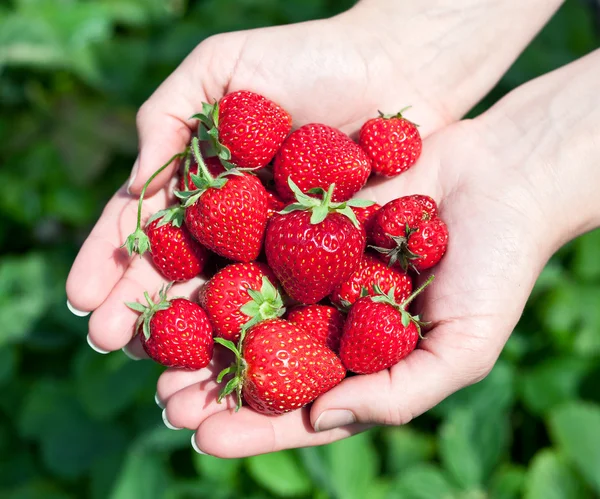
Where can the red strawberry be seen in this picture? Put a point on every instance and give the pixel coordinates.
(317, 156)
(323, 322)
(379, 332)
(280, 368)
(175, 253)
(366, 216)
(408, 232)
(274, 203)
(245, 129)
(214, 167)
(370, 272)
(237, 294)
(227, 214)
(392, 143)
(174, 333)
(314, 246)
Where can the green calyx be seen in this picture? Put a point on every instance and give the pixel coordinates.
(137, 241)
(389, 299)
(204, 180)
(147, 312)
(320, 208)
(265, 304)
(400, 253)
(208, 132)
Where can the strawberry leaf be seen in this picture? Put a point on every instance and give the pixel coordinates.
(228, 344)
(359, 203)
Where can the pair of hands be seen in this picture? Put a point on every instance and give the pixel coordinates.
(335, 72)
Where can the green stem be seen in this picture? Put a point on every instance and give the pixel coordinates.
(186, 171)
(199, 160)
(148, 299)
(148, 182)
(414, 294)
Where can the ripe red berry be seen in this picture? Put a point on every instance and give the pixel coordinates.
(323, 322)
(392, 143)
(317, 155)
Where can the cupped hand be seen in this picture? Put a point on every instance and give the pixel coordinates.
(499, 243)
(334, 71)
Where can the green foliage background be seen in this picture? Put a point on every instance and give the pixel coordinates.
(77, 424)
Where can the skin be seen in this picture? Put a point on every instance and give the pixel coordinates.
(513, 185)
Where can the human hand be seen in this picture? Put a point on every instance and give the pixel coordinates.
(510, 197)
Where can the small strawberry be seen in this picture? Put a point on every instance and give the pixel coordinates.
(408, 232)
(174, 332)
(392, 143)
(244, 129)
(227, 214)
(239, 294)
(379, 332)
(317, 156)
(323, 322)
(274, 203)
(371, 272)
(314, 245)
(366, 216)
(280, 367)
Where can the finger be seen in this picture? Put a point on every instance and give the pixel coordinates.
(164, 124)
(230, 434)
(112, 325)
(427, 376)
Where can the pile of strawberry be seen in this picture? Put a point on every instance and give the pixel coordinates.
(289, 236)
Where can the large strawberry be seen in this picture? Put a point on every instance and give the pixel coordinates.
(371, 272)
(174, 332)
(317, 155)
(228, 213)
(241, 294)
(314, 245)
(323, 322)
(392, 143)
(379, 332)
(244, 129)
(408, 232)
(280, 367)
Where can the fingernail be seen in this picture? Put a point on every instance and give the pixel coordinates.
(334, 418)
(130, 354)
(167, 422)
(134, 170)
(195, 446)
(158, 402)
(96, 348)
(75, 311)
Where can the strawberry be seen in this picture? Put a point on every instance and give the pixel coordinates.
(314, 245)
(227, 214)
(280, 367)
(366, 216)
(274, 203)
(369, 273)
(408, 232)
(174, 332)
(214, 167)
(317, 156)
(392, 143)
(379, 332)
(244, 129)
(238, 294)
(323, 322)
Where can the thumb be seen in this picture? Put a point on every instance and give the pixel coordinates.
(397, 395)
(163, 122)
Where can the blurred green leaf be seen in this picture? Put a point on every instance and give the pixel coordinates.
(423, 481)
(586, 264)
(39, 489)
(471, 442)
(575, 428)
(352, 477)
(553, 382)
(24, 295)
(407, 447)
(507, 483)
(143, 475)
(279, 473)
(8, 363)
(550, 477)
(223, 471)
